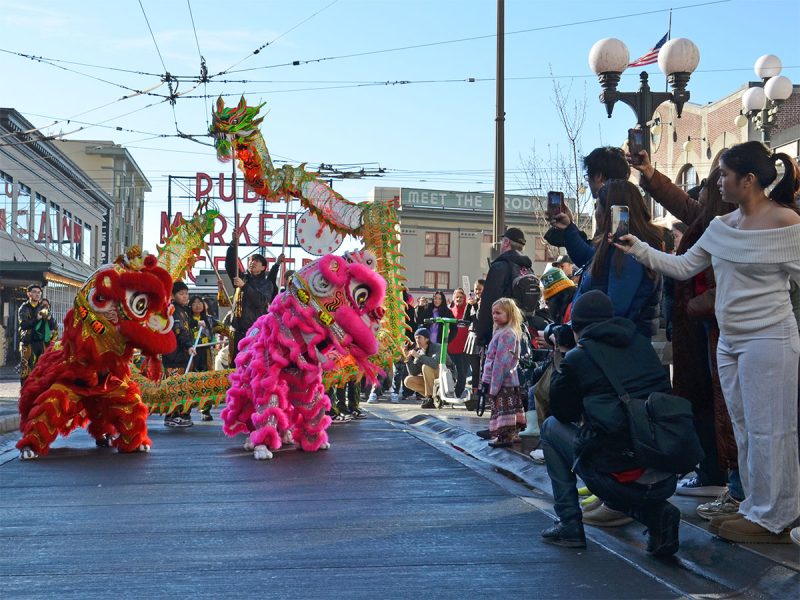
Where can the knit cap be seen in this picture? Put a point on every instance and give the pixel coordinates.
(592, 307)
(555, 281)
(424, 332)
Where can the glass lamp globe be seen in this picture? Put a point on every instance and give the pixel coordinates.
(768, 65)
(609, 55)
(678, 56)
(778, 88)
(754, 99)
(740, 121)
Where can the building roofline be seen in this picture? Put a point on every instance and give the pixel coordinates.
(42, 146)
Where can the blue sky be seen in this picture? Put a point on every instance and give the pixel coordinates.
(437, 131)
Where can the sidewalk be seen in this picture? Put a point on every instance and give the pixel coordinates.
(9, 397)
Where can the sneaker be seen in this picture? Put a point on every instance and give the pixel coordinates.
(662, 531)
(567, 535)
(373, 398)
(724, 505)
(427, 403)
(794, 535)
(602, 516)
(537, 456)
(715, 523)
(206, 416)
(178, 421)
(747, 532)
(590, 503)
(694, 487)
(584, 491)
(394, 397)
(484, 434)
(358, 414)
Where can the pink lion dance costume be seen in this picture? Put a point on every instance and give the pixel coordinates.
(331, 311)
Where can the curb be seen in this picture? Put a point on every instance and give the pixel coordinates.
(9, 423)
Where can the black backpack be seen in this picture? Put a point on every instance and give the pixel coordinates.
(525, 288)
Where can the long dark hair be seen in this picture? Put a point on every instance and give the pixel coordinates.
(203, 314)
(713, 206)
(620, 192)
(755, 158)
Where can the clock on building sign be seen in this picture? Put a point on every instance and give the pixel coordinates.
(314, 237)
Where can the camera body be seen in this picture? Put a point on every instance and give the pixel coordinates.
(562, 334)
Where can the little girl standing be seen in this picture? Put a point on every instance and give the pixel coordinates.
(500, 373)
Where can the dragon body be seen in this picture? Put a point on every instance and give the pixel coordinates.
(237, 134)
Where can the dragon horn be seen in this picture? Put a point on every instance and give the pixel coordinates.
(220, 104)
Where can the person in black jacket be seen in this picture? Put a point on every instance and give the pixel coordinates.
(437, 307)
(176, 362)
(600, 450)
(256, 291)
(32, 318)
(499, 280)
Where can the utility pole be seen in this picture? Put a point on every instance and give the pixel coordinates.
(498, 221)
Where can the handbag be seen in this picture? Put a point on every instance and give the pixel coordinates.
(661, 426)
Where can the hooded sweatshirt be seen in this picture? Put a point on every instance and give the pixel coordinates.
(579, 390)
(498, 285)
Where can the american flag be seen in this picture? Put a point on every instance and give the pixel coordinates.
(651, 55)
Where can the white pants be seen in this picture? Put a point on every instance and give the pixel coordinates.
(758, 373)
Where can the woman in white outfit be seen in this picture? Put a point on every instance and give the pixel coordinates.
(754, 250)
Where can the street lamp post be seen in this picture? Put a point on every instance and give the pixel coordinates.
(678, 59)
(761, 104)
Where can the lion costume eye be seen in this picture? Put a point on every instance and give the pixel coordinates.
(137, 303)
(318, 285)
(360, 294)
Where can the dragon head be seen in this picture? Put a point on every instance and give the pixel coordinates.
(126, 305)
(348, 294)
(229, 123)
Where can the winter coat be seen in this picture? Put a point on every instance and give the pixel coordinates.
(635, 293)
(695, 331)
(460, 338)
(498, 284)
(27, 317)
(502, 360)
(257, 293)
(183, 336)
(430, 359)
(579, 390)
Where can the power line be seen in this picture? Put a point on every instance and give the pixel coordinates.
(481, 37)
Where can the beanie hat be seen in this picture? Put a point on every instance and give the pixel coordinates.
(592, 307)
(561, 260)
(555, 281)
(423, 331)
(179, 286)
(515, 235)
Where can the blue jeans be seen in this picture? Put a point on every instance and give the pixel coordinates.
(635, 500)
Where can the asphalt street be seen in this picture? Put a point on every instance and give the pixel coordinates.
(403, 505)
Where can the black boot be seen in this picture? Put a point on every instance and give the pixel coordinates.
(568, 535)
(663, 522)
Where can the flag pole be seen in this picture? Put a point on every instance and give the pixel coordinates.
(669, 37)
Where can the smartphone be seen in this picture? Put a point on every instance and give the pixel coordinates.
(620, 221)
(635, 144)
(555, 204)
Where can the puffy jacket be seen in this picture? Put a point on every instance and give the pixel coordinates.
(498, 285)
(579, 390)
(430, 359)
(635, 293)
(28, 319)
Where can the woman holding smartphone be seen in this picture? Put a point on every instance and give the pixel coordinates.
(634, 290)
(754, 250)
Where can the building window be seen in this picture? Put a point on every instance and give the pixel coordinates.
(86, 241)
(55, 230)
(6, 202)
(437, 280)
(23, 223)
(687, 178)
(437, 244)
(540, 253)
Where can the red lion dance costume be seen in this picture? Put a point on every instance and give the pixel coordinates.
(330, 313)
(85, 377)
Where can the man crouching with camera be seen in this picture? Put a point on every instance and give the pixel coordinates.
(599, 451)
(422, 361)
